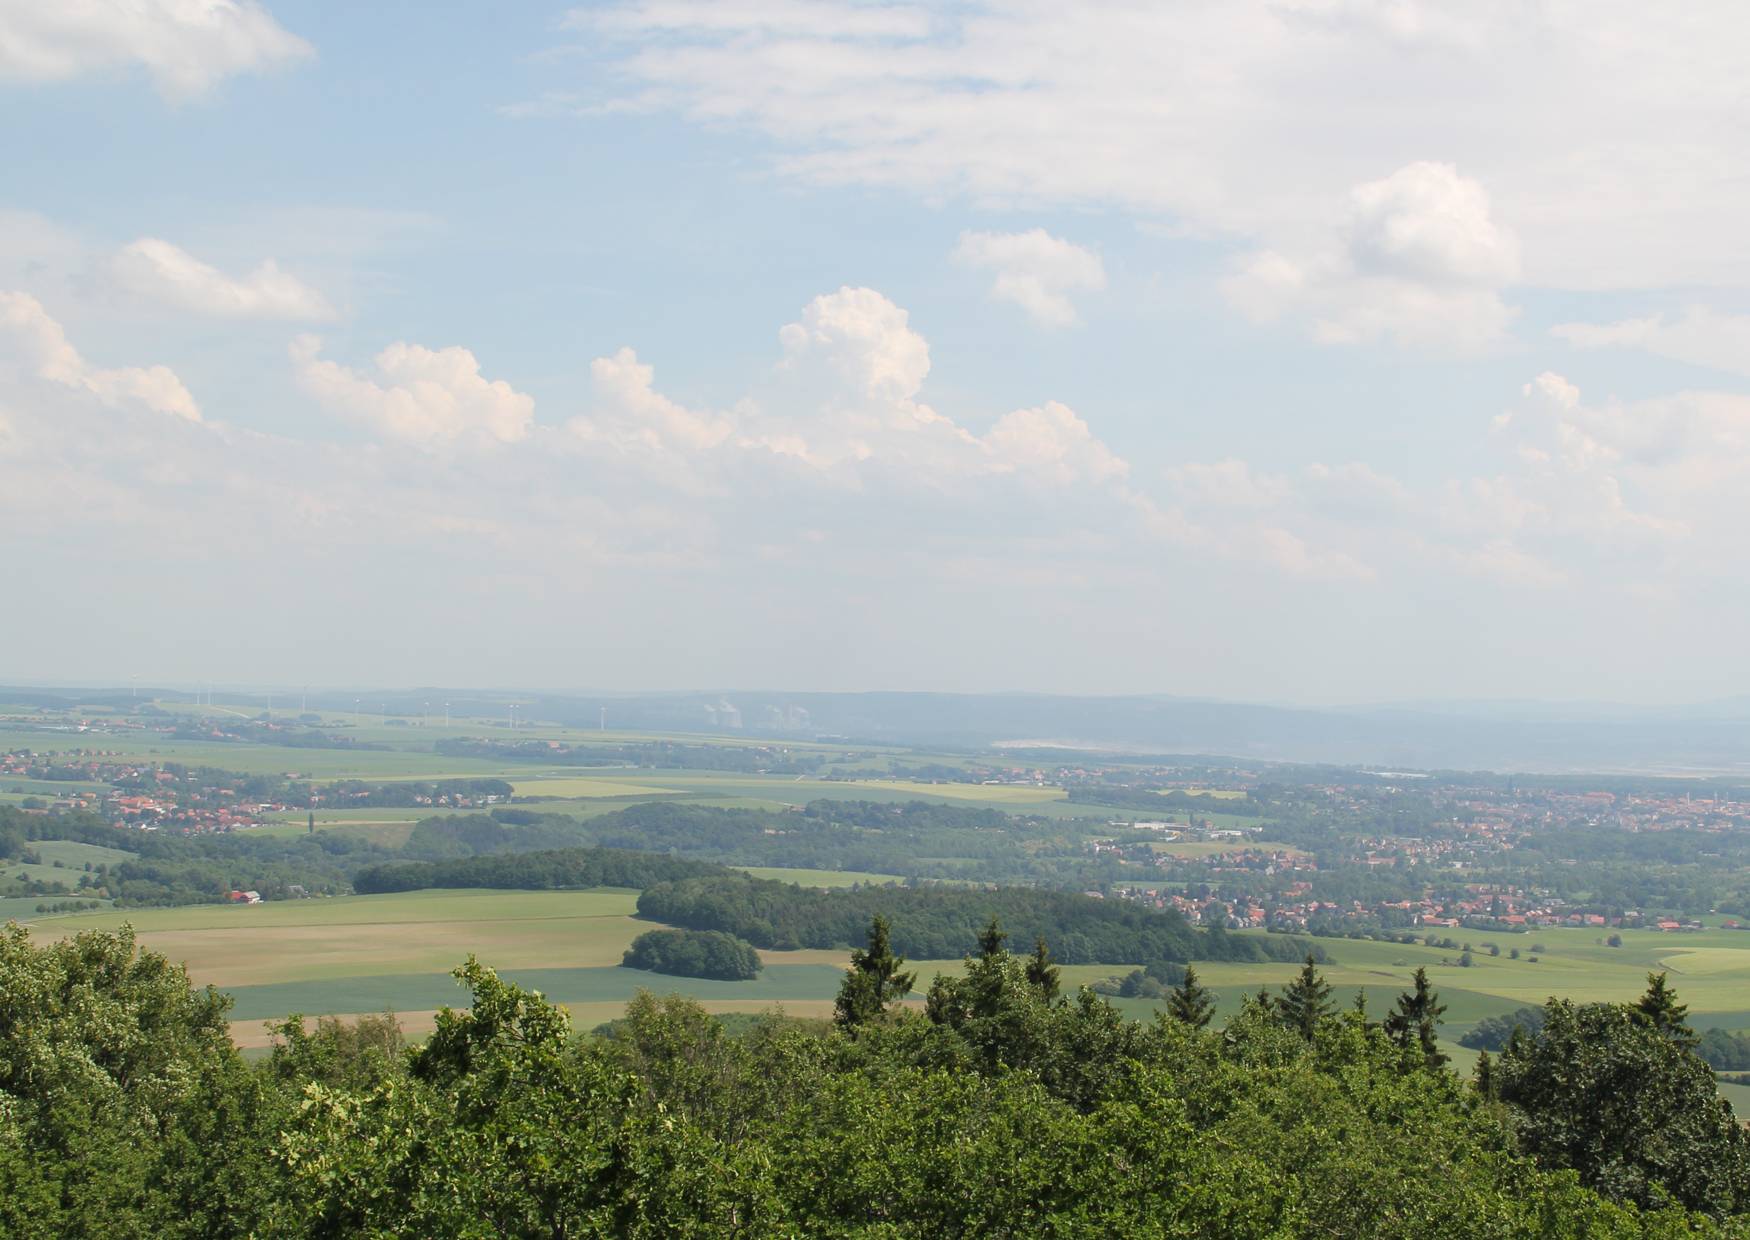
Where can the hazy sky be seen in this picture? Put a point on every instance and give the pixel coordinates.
(1311, 350)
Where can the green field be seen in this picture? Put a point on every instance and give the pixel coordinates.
(363, 953)
(73, 853)
(72, 856)
(586, 786)
(1017, 795)
(554, 787)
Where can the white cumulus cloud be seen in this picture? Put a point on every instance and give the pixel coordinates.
(164, 272)
(1418, 259)
(1054, 443)
(1035, 270)
(187, 46)
(424, 396)
(42, 350)
(863, 337)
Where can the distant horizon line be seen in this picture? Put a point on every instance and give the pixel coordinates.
(1423, 702)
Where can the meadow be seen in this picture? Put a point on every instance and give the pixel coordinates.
(356, 954)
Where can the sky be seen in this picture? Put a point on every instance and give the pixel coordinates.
(1309, 351)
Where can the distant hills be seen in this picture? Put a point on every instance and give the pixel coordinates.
(1704, 739)
(1708, 739)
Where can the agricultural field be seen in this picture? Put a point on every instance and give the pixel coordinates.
(410, 754)
(587, 786)
(358, 954)
(1016, 796)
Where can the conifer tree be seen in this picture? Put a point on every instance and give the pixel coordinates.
(873, 981)
(1191, 1002)
(1305, 1001)
(1415, 1020)
(1659, 1009)
(1485, 1078)
(991, 940)
(1042, 971)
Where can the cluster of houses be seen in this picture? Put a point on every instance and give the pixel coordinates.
(142, 795)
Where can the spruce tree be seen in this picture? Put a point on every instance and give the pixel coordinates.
(1415, 1021)
(873, 981)
(1305, 1001)
(991, 940)
(1042, 972)
(1191, 1002)
(1659, 1009)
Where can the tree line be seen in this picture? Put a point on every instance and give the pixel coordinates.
(937, 922)
(539, 871)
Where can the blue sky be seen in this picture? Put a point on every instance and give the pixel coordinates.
(1313, 350)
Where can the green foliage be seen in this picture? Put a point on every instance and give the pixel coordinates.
(535, 871)
(874, 982)
(1305, 1001)
(1658, 1009)
(1600, 1090)
(933, 923)
(1414, 1022)
(694, 953)
(1042, 973)
(336, 1053)
(124, 1109)
(125, 1112)
(1725, 1049)
(1191, 1002)
(1492, 1033)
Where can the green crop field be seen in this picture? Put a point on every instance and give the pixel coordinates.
(586, 786)
(358, 954)
(23, 908)
(73, 853)
(364, 953)
(252, 759)
(354, 937)
(1019, 795)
